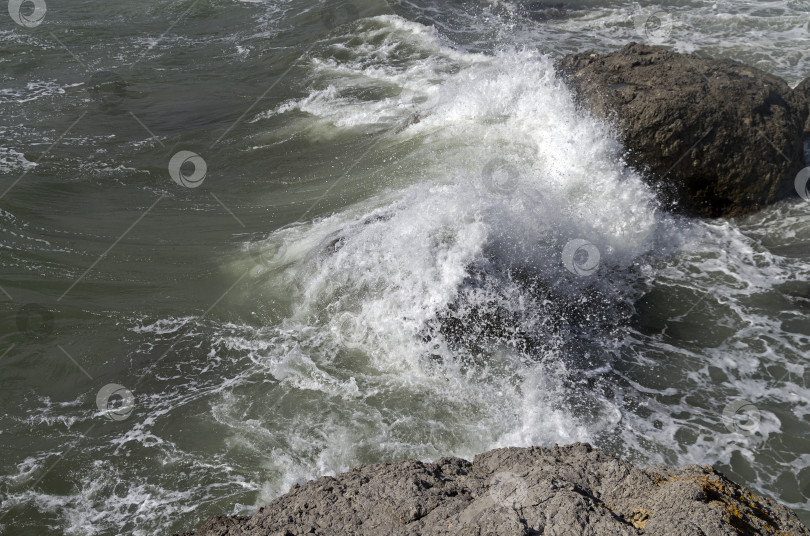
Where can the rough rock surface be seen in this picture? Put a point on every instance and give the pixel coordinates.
(803, 89)
(714, 137)
(563, 491)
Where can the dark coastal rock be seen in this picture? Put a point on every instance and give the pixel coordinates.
(714, 137)
(573, 490)
(803, 89)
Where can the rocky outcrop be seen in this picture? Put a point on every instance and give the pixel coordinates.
(573, 490)
(803, 89)
(714, 137)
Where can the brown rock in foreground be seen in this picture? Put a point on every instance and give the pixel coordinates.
(573, 490)
(714, 137)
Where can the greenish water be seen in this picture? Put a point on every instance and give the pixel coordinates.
(378, 261)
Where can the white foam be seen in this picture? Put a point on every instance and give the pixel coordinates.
(13, 161)
(349, 366)
(34, 91)
(402, 257)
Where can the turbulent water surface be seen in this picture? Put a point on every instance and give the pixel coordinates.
(392, 235)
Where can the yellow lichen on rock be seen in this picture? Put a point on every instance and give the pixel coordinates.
(638, 518)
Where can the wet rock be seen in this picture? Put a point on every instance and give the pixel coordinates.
(713, 137)
(513, 308)
(803, 89)
(571, 490)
